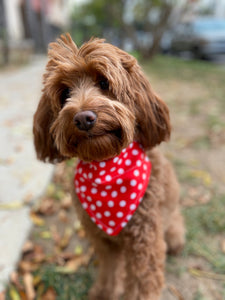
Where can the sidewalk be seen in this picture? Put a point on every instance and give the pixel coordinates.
(22, 177)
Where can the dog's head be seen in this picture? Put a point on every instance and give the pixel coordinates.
(95, 101)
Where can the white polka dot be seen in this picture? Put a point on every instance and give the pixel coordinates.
(122, 203)
(128, 162)
(146, 158)
(124, 150)
(89, 198)
(144, 176)
(125, 155)
(131, 145)
(77, 190)
(121, 171)
(93, 219)
(123, 189)
(102, 173)
(141, 199)
(133, 182)
(102, 164)
(138, 163)
(80, 170)
(94, 191)
(135, 152)
(83, 188)
(108, 178)
(112, 223)
(110, 203)
(119, 181)
(109, 230)
(98, 215)
(120, 161)
(107, 213)
(113, 169)
(114, 194)
(99, 203)
(103, 193)
(123, 224)
(82, 179)
(108, 187)
(98, 180)
(85, 175)
(90, 175)
(136, 173)
(99, 226)
(140, 186)
(94, 184)
(133, 195)
(129, 217)
(115, 159)
(85, 205)
(119, 214)
(82, 195)
(93, 207)
(145, 167)
(132, 206)
(76, 182)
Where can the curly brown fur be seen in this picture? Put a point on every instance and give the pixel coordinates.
(105, 80)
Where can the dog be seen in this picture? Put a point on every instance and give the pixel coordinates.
(98, 105)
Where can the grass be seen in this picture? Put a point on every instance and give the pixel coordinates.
(205, 222)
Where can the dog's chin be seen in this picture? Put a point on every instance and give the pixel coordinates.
(95, 147)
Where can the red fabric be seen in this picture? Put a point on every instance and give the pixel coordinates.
(110, 191)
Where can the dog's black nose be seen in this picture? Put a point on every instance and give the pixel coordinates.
(85, 120)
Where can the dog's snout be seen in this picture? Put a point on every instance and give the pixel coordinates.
(85, 120)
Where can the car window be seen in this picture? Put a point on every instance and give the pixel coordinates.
(214, 25)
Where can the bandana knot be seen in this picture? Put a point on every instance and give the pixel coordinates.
(110, 191)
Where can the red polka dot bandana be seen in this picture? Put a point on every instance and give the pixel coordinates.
(110, 191)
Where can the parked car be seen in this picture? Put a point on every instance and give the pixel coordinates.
(203, 37)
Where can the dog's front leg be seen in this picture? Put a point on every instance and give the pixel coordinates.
(109, 284)
(145, 256)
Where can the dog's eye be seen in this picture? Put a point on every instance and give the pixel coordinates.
(104, 84)
(65, 94)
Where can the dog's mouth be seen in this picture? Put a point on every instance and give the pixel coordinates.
(97, 146)
(117, 133)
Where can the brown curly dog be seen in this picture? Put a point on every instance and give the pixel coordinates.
(97, 105)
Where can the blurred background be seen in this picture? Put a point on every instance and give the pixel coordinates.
(184, 27)
(180, 44)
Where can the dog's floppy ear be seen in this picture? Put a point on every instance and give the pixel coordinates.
(152, 114)
(43, 140)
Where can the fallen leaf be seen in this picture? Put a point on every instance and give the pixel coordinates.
(73, 265)
(11, 205)
(63, 216)
(46, 207)
(46, 235)
(28, 284)
(38, 221)
(175, 292)
(67, 202)
(223, 245)
(64, 241)
(14, 278)
(27, 247)
(203, 175)
(51, 189)
(2, 295)
(50, 294)
(78, 250)
(14, 295)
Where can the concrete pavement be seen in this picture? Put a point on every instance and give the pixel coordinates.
(22, 178)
